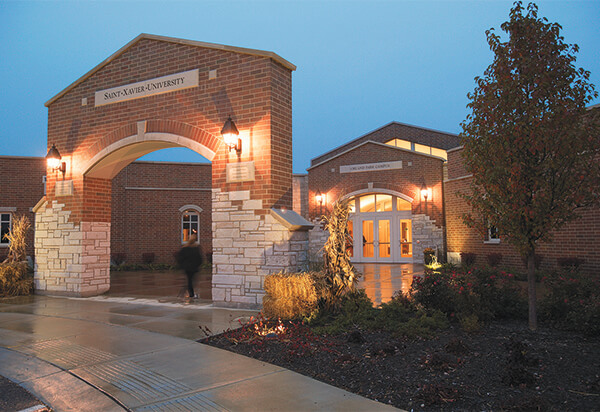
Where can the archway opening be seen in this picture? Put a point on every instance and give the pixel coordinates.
(158, 201)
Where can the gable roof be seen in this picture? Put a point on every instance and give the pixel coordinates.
(390, 131)
(371, 142)
(233, 49)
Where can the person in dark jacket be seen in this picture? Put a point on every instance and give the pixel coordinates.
(190, 259)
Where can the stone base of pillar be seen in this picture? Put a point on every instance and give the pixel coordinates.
(70, 259)
(248, 246)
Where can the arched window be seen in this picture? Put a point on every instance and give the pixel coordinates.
(378, 202)
(190, 223)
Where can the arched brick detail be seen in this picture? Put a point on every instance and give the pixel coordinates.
(156, 126)
(185, 130)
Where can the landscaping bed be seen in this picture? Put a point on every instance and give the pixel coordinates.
(504, 366)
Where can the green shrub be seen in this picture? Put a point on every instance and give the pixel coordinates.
(494, 259)
(467, 259)
(571, 263)
(470, 323)
(487, 294)
(499, 294)
(572, 301)
(424, 324)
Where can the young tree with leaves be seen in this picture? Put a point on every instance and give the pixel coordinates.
(530, 144)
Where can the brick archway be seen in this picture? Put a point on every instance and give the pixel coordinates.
(117, 150)
(98, 136)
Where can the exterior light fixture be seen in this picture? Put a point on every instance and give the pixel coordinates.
(231, 136)
(424, 191)
(319, 197)
(53, 160)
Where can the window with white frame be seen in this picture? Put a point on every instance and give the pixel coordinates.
(5, 224)
(492, 235)
(189, 224)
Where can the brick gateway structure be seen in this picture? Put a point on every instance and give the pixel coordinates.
(155, 93)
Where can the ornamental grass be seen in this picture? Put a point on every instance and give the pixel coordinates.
(290, 295)
(15, 278)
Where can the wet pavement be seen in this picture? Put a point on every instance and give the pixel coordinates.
(382, 280)
(134, 349)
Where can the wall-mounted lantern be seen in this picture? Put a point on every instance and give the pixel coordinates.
(53, 160)
(231, 136)
(319, 197)
(424, 191)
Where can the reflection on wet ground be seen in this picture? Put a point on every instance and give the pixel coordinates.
(381, 281)
(159, 284)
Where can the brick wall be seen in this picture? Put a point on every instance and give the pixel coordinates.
(254, 90)
(576, 239)
(146, 202)
(21, 187)
(416, 168)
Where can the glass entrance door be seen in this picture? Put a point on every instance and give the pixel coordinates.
(376, 240)
(405, 238)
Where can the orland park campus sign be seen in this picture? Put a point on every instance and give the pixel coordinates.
(371, 167)
(147, 88)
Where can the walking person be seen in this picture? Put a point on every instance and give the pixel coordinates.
(190, 259)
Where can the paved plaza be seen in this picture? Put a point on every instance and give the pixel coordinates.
(139, 353)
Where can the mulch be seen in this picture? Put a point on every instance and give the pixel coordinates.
(504, 366)
(13, 397)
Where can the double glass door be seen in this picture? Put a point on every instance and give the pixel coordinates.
(376, 241)
(381, 239)
(380, 229)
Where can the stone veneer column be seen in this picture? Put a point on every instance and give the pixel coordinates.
(247, 247)
(425, 235)
(71, 260)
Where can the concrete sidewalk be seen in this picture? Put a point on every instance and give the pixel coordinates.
(109, 354)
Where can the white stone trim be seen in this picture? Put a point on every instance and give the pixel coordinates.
(190, 207)
(458, 178)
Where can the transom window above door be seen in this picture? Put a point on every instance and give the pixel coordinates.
(378, 202)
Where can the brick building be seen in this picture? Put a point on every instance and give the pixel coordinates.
(393, 178)
(155, 205)
(578, 238)
(158, 92)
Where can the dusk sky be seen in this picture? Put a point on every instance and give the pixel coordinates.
(361, 64)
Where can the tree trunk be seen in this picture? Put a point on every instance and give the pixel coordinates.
(531, 293)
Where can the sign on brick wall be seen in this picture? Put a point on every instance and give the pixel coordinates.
(371, 167)
(165, 84)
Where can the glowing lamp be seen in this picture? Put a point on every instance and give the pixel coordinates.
(231, 136)
(319, 197)
(53, 160)
(424, 192)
